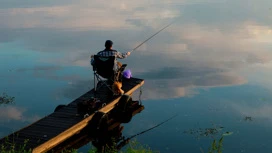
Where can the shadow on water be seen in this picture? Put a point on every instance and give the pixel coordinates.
(104, 131)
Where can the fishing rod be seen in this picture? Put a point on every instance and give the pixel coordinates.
(151, 36)
(125, 141)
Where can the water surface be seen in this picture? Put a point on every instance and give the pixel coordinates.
(211, 67)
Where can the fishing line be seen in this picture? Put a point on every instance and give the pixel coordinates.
(154, 126)
(125, 141)
(152, 36)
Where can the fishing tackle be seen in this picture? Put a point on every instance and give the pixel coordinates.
(151, 37)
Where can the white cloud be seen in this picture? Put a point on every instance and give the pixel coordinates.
(8, 113)
(86, 15)
(263, 111)
(259, 33)
(208, 44)
(174, 88)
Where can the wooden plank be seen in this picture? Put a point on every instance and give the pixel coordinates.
(58, 121)
(76, 128)
(65, 115)
(62, 136)
(110, 106)
(34, 135)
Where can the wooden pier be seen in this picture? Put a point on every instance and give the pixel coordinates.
(62, 124)
(101, 139)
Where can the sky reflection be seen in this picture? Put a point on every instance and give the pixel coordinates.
(212, 45)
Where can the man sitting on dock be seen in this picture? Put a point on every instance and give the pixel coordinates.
(108, 51)
(118, 66)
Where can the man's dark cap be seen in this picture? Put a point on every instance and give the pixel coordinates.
(108, 43)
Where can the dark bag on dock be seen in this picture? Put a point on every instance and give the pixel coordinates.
(88, 106)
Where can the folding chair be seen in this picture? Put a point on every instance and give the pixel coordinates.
(104, 67)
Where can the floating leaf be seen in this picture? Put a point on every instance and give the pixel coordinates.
(227, 133)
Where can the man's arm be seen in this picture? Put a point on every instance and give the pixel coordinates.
(122, 55)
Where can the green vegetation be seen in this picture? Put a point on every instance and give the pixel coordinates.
(216, 147)
(10, 147)
(69, 151)
(135, 147)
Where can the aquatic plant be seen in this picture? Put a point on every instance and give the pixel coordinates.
(136, 147)
(133, 147)
(248, 118)
(204, 131)
(216, 147)
(227, 133)
(69, 151)
(10, 147)
(5, 99)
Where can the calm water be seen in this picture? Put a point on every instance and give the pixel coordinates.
(212, 67)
